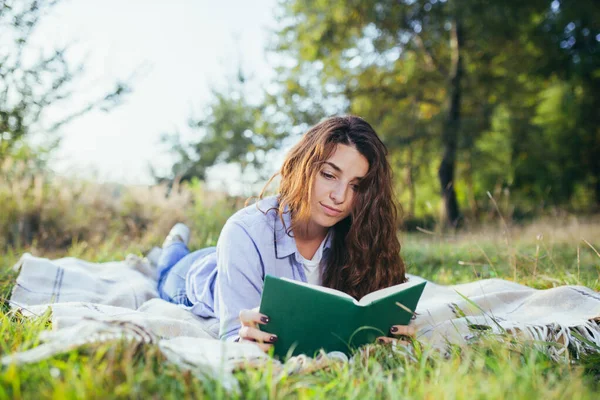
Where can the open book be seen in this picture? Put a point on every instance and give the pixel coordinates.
(308, 317)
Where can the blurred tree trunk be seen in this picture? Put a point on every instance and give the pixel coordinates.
(468, 178)
(450, 131)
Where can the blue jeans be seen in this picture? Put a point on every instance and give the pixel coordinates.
(172, 268)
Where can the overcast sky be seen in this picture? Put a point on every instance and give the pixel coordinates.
(177, 48)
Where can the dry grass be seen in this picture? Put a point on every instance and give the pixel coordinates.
(51, 213)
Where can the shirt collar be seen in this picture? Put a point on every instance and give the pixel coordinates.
(285, 245)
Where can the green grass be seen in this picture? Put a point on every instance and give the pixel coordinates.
(542, 255)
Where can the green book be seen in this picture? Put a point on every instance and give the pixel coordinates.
(308, 317)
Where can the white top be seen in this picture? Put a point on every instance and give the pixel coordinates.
(312, 267)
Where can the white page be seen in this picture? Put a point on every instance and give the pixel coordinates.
(322, 289)
(381, 293)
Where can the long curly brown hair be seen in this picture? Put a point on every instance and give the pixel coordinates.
(365, 253)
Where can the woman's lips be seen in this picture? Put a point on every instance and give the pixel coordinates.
(330, 211)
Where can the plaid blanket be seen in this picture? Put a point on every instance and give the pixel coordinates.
(459, 314)
(95, 302)
(100, 302)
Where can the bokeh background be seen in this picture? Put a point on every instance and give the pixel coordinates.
(119, 118)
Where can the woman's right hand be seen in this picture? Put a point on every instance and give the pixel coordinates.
(249, 331)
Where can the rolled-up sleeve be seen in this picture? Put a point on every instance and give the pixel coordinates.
(240, 277)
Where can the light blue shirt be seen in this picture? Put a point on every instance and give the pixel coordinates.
(251, 245)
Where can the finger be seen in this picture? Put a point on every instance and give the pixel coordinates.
(406, 330)
(251, 317)
(251, 333)
(385, 340)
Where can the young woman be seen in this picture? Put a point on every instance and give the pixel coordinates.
(333, 223)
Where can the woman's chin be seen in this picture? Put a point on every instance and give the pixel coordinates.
(326, 221)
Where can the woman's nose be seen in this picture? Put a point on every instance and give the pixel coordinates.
(338, 194)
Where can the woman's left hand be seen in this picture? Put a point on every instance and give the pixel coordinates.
(399, 330)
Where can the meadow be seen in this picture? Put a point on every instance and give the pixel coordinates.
(100, 223)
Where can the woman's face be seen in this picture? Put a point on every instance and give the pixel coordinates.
(335, 184)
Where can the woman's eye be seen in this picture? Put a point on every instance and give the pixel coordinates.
(354, 187)
(327, 175)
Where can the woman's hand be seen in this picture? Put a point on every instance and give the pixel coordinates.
(408, 331)
(249, 331)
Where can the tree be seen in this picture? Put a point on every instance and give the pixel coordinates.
(231, 130)
(435, 75)
(29, 88)
(569, 110)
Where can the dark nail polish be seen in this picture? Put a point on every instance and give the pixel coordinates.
(394, 329)
(380, 340)
(273, 339)
(265, 319)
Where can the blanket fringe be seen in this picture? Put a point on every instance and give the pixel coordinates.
(579, 339)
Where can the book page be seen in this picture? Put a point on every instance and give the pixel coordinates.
(382, 293)
(322, 289)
